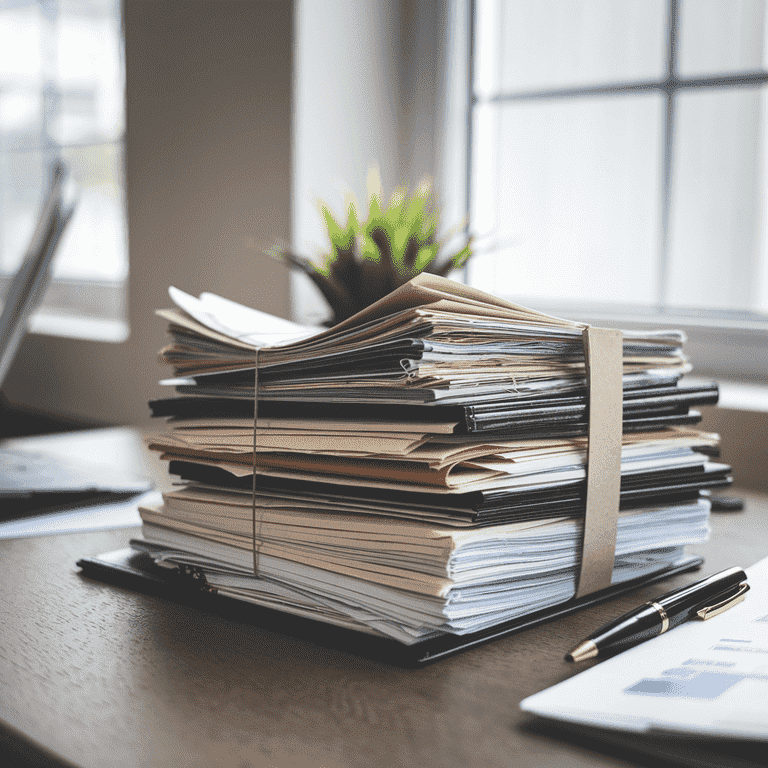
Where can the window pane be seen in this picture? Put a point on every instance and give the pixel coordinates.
(571, 198)
(94, 245)
(22, 75)
(715, 216)
(61, 95)
(24, 176)
(21, 118)
(89, 74)
(22, 32)
(529, 45)
(717, 37)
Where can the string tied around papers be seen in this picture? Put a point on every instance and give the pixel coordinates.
(255, 530)
(256, 516)
(603, 358)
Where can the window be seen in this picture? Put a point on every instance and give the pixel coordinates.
(62, 95)
(617, 165)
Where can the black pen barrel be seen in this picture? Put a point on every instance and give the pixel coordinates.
(681, 603)
(665, 612)
(662, 614)
(627, 631)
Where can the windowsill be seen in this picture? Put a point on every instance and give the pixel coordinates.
(51, 323)
(79, 309)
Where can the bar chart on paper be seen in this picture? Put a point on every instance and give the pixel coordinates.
(708, 678)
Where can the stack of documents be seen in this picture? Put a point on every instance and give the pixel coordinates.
(418, 469)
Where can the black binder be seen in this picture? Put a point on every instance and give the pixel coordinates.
(136, 570)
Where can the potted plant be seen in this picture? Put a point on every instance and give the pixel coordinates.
(369, 257)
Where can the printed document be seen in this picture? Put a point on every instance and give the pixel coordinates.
(703, 677)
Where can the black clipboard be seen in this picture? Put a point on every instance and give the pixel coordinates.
(136, 570)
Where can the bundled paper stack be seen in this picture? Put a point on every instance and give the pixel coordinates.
(418, 469)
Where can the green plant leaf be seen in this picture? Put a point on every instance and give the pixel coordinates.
(426, 254)
(341, 237)
(375, 212)
(375, 251)
(352, 223)
(460, 258)
(369, 250)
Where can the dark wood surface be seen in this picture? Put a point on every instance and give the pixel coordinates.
(98, 675)
(16, 420)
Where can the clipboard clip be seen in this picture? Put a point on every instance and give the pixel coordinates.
(713, 610)
(194, 576)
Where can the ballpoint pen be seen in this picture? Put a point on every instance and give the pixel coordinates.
(703, 599)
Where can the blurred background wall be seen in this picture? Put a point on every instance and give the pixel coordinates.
(208, 170)
(370, 85)
(241, 114)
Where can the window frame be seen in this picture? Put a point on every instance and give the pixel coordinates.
(85, 308)
(731, 344)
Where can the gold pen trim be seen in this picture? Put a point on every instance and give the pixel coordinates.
(724, 605)
(664, 617)
(582, 652)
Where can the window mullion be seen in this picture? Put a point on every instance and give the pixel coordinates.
(490, 94)
(673, 21)
(471, 101)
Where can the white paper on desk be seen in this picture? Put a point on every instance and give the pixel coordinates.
(244, 323)
(708, 678)
(95, 517)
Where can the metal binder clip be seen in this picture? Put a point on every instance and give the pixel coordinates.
(195, 576)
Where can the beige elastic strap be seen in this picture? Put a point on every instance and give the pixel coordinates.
(604, 363)
(255, 519)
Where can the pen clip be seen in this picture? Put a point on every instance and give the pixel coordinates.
(713, 610)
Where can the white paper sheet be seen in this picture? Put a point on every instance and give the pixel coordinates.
(244, 323)
(96, 517)
(700, 678)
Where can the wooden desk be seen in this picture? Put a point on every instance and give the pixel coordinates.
(96, 675)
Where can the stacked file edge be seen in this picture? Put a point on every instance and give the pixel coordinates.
(418, 470)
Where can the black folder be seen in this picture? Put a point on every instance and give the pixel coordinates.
(135, 569)
(565, 415)
(490, 507)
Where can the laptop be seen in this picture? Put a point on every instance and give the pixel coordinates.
(32, 482)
